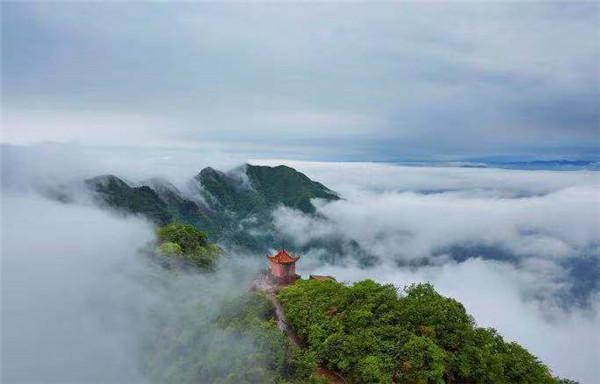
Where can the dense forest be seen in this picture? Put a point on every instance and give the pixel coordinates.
(233, 208)
(373, 333)
(240, 345)
(183, 245)
(232, 338)
(368, 332)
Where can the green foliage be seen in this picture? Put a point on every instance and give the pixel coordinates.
(265, 188)
(185, 235)
(372, 334)
(522, 367)
(240, 345)
(422, 361)
(565, 381)
(442, 319)
(170, 248)
(228, 193)
(205, 257)
(236, 207)
(372, 369)
(300, 363)
(137, 200)
(285, 185)
(189, 245)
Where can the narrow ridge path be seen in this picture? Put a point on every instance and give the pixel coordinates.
(281, 321)
(263, 284)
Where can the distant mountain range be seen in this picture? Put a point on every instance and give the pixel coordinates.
(232, 207)
(550, 165)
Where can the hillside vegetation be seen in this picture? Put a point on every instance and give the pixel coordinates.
(185, 245)
(233, 208)
(242, 345)
(369, 332)
(202, 333)
(372, 334)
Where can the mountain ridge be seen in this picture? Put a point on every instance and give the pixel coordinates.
(219, 202)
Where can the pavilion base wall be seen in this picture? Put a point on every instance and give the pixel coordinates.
(285, 279)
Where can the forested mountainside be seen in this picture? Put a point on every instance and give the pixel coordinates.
(372, 333)
(225, 205)
(364, 333)
(259, 188)
(367, 332)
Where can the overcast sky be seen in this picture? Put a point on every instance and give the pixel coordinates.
(331, 81)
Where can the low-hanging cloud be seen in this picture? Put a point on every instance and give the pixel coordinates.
(412, 213)
(523, 230)
(70, 303)
(46, 166)
(81, 303)
(566, 340)
(558, 224)
(76, 295)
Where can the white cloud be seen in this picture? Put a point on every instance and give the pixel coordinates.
(70, 302)
(80, 303)
(566, 340)
(350, 177)
(392, 211)
(50, 165)
(542, 219)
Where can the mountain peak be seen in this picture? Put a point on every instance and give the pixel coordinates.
(104, 181)
(285, 185)
(249, 188)
(223, 200)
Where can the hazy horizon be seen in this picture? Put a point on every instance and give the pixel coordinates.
(463, 139)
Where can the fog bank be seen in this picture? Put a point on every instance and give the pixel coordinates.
(518, 248)
(71, 304)
(81, 303)
(492, 292)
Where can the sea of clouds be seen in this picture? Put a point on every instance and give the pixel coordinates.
(74, 285)
(80, 298)
(71, 302)
(525, 231)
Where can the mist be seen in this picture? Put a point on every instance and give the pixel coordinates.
(493, 293)
(82, 303)
(85, 92)
(70, 301)
(44, 166)
(505, 243)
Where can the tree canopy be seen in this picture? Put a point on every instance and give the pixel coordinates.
(186, 244)
(240, 345)
(372, 333)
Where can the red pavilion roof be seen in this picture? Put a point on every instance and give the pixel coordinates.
(282, 257)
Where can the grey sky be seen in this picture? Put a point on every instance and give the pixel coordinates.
(317, 81)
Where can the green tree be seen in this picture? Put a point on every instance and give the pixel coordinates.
(372, 369)
(522, 367)
(430, 314)
(422, 362)
(372, 334)
(186, 236)
(170, 248)
(186, 245)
